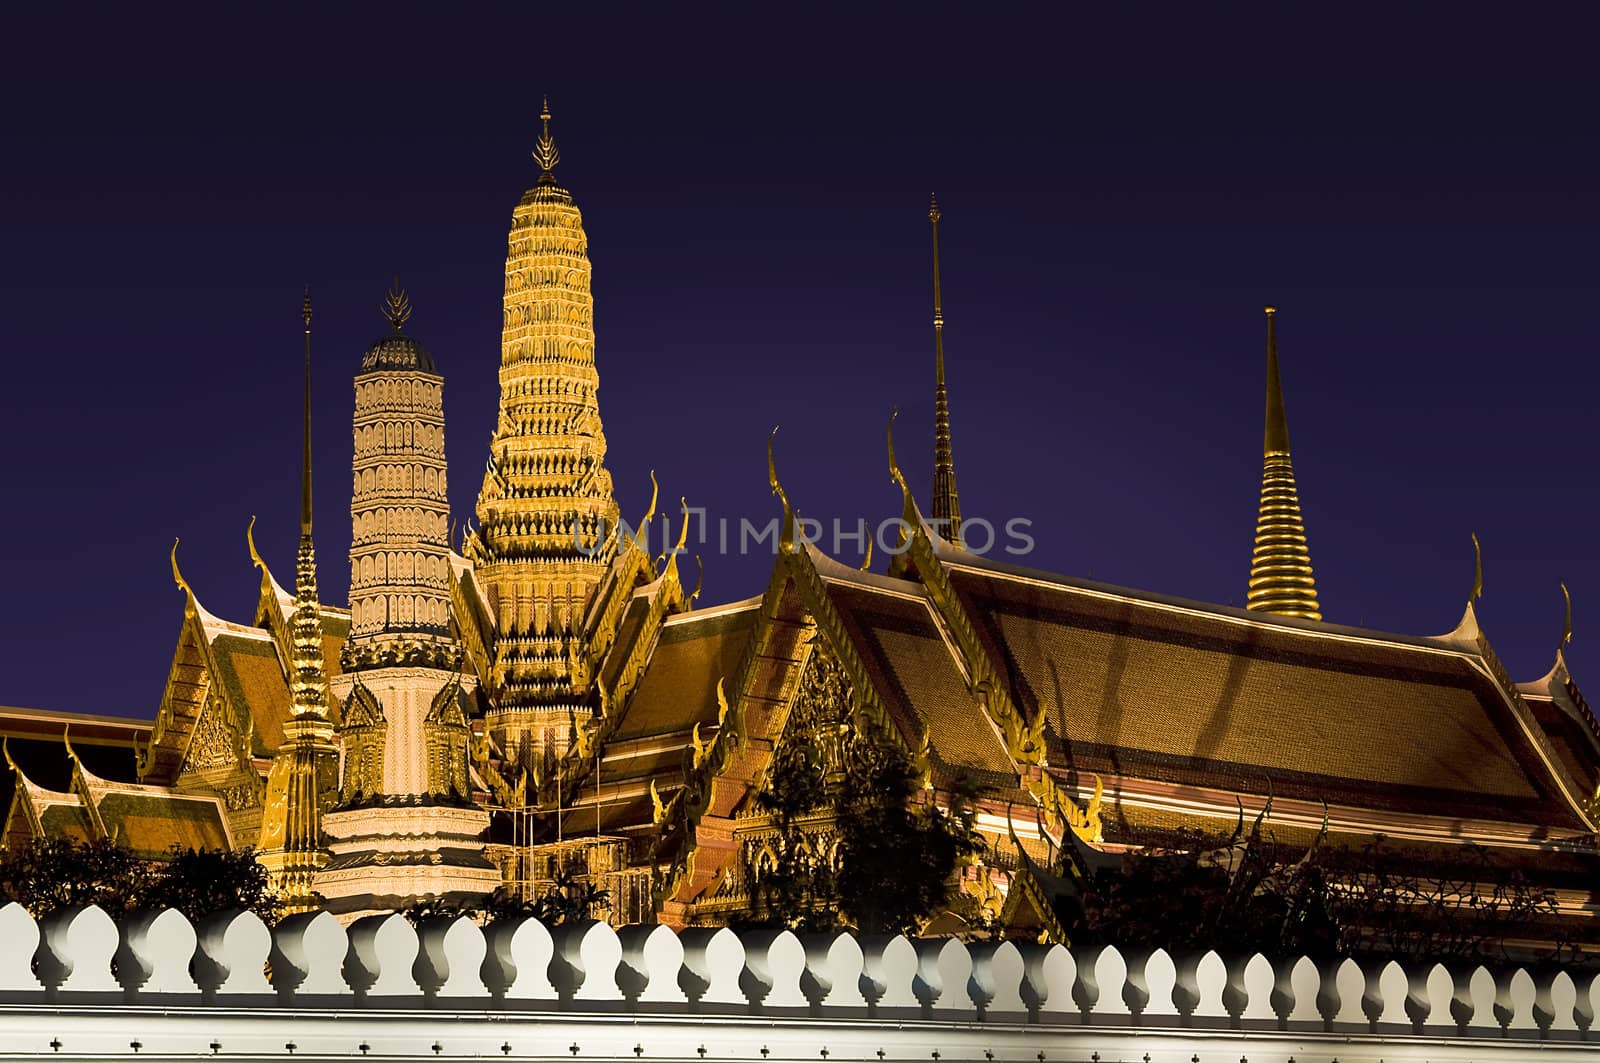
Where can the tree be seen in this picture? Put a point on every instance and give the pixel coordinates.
(897, 853)
(48, 874)
(797, 891)
(896, 850)
(568, 900)
(199, 882)
(1249, 894)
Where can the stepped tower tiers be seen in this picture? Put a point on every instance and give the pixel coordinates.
(404, 829)
(303, 767)
(1281, 580)
(946, 504)
(399, 510)
(546, 510)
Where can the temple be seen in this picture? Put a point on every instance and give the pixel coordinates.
(545, 702)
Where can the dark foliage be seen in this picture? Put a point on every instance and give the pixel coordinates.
(568, 900)
(1248, 894)
(895, 854)
(53, 873)
(798, 891)
(199, 882)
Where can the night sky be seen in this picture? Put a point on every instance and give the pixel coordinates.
(1120, 200)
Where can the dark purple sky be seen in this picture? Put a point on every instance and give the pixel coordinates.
(1120, 200)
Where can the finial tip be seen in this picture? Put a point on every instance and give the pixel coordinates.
(545, 153)
(397, 305)
(1271, 310)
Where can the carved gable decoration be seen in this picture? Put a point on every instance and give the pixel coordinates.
(216, 741)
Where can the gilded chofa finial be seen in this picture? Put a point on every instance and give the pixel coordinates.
(545, 153)
(397, 305)
(1477, 570)
(786, 540)
(1281, 578)
(1566, 627)
(250, 541)
(177, 576)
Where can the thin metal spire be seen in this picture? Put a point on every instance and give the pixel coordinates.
(946, 502)
(1281, 579)
(1277, 436)
(305, 467)
(545, 153)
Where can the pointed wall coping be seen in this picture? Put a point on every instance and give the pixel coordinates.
(621, 982)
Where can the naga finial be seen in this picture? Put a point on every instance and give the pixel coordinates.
(866, 564)
(894, 465)
(1566, 627)
(5, 751)
(786, 540)
(655, 494)
(177, 576)
(66, 740)
(397, 305)
(683, 532)
(910, 515)
(699, 579)
(250, 541)
(545, 153)
(1477, 570)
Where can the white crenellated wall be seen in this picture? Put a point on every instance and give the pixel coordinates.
(78, 984)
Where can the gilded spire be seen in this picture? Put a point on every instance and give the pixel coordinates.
(544, 152)
(291, 839)
(546, 509)
(305, 450)
(946, 503)
(1281, 578)
(308, 683)
(397, 305)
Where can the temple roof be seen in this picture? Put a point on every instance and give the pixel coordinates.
(1569, 725)
(897, 632)
(1195, 694)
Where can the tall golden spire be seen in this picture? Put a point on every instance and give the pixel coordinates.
(1280, 568)
(545, 510)
(946, 503)
(291, 844)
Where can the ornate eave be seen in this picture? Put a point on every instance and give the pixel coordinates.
(922, 559)
(190, 688)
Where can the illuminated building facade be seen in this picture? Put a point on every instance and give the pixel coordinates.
(550, 700)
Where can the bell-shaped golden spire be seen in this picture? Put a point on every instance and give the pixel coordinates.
(1280, 568)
